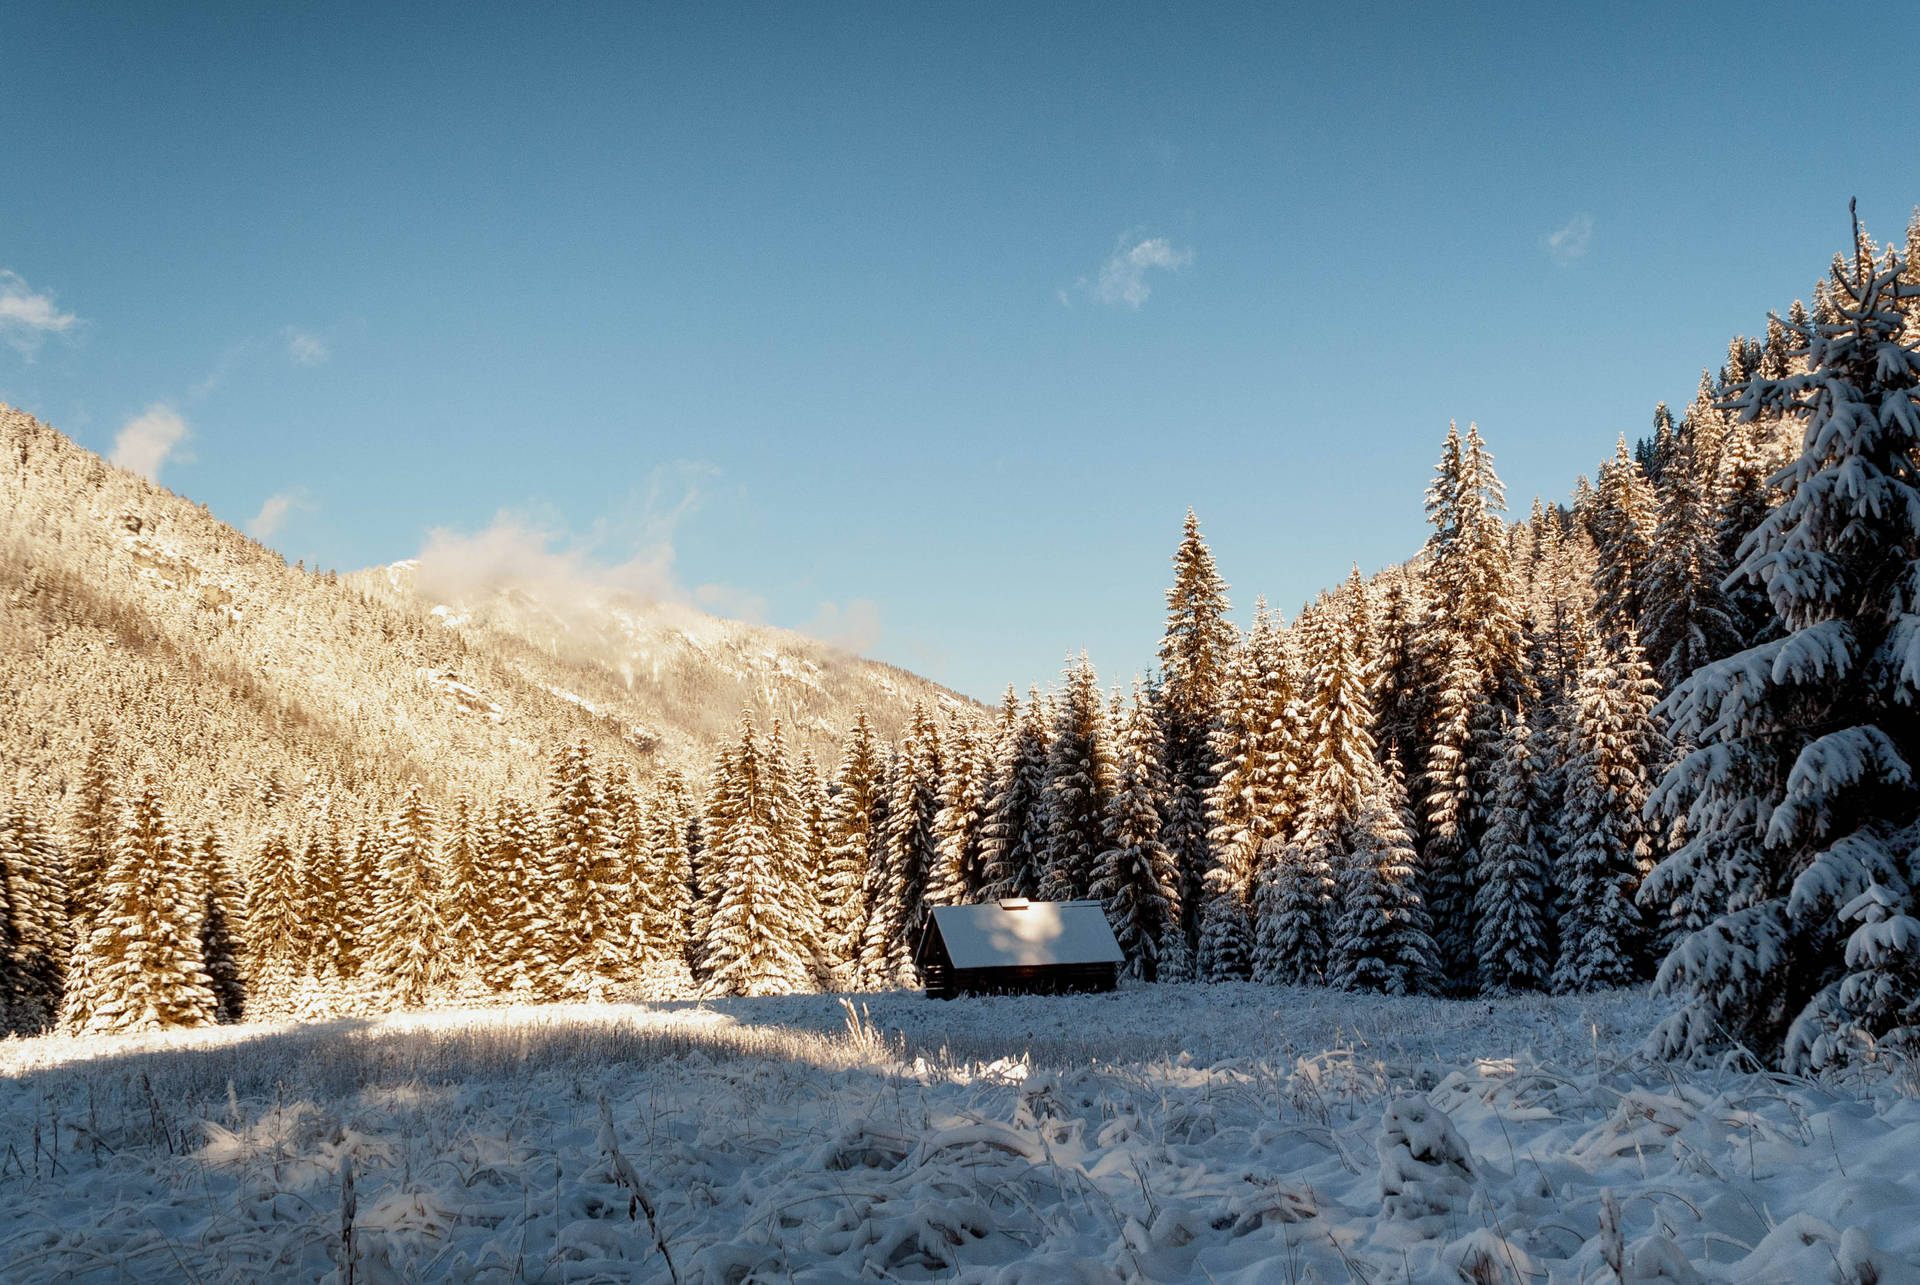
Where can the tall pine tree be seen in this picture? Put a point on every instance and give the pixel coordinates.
(583, 873)
(407, 952)
(1014, 839)
(1513, 939)
(1684, 621)
(141, 965)
(1382, 938)
(753, 945)
(1195, 651)
(1135, 875)
(854, 822)
(33, 869)
(1080, 786)
(898, 882)
(1613, 751)
(1799, 795)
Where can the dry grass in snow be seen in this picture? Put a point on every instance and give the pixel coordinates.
(1232, 1134)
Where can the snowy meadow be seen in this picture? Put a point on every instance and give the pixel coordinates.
(1227, 1133)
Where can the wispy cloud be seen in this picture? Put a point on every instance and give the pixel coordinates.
(28, 316)
(854, 627)
(732, 602)
(275, 510)
(148, 440)
(223, 366)
(1122, 281)
(1570, 240)
(302, 348)
(631, 552)
(305, 347)
(519, 550)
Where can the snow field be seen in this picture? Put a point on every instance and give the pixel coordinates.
(1231, 1134)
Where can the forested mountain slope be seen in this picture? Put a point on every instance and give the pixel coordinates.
(234, 678)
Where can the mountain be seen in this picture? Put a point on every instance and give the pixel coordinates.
(130, 616)
(673, 676)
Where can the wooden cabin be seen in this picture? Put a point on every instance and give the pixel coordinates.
(1018, 947)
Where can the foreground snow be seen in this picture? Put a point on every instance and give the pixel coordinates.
(1232, 1134)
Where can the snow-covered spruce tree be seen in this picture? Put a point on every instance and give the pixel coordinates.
(520, 960)
(582, 875)
(11, 1018)
(752, 945)
(277, 941)
(853, 827)
(1469, 572)
(1175, 957)
(365, 858)
(1684, 621)
(1708, 431)
(142, 965)
(1291, 906)
(92, 831)
(1293, 903)
(1451, 856)
(1287, 756)
(795, 833)
(1255, 747)
(325, 903)
(1240, 816)
(1740, 499)
(1512, 937)
(705, 888)
(1624, 523)
(1135, 875)
(1663, 446)
(1382, 937)
(33, 868)
(1799, 794)
(670, 847)
(898, 883)
(1402, 683)
(628, 823)
(1561, 619)
(1014, 837)
(1613, 748)
(1224, 949)
(1491, 604)
(1477, 643)
(1338, 718)
(463, 899)
(1080, 786)
(407, 954)
(1194, 653)
(810, 786)
(222, 927)
(959, 827)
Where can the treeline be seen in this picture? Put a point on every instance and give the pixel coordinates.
(1457, 776)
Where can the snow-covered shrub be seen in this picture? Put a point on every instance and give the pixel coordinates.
(1425, 1167)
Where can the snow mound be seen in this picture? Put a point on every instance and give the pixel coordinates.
(1425, 1167)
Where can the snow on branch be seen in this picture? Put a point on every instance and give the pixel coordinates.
(1826, 767)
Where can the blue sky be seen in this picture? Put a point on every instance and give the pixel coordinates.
(919, 327)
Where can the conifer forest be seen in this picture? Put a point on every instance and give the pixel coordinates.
(1661, 729)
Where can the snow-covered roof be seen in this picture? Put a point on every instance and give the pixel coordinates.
(1022, 934)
